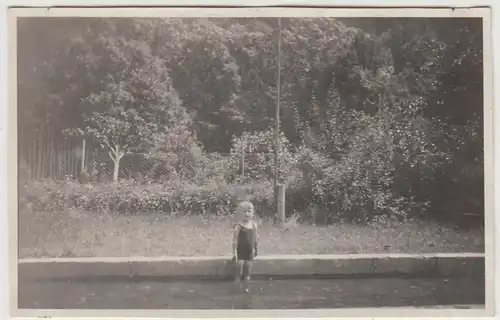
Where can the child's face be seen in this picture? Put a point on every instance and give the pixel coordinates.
(247, 212)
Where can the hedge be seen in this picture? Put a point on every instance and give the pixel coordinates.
(216, 197)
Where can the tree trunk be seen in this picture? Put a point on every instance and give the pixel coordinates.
(116, 168)
(116, 155)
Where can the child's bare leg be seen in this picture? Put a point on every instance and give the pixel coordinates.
(238, 270)
(247, 269)
(249, 265)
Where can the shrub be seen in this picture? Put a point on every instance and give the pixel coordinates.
(47, 195)
(358, 186)
(260, 156)
(214, 197)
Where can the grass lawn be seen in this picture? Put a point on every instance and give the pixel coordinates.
(86, 234)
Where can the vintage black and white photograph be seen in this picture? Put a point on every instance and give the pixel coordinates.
(253, 160)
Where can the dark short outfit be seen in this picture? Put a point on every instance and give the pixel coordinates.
(246, 243)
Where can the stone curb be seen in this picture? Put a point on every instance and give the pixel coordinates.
(441, 264)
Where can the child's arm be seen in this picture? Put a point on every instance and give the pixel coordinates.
(236, 230)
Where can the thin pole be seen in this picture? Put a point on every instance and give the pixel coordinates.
(82, 169)
(243, 157)
(39, 164)
(277, 120)
(51, 155)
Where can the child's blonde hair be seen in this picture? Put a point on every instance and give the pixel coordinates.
(245, 205)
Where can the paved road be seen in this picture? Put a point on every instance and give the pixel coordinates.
(164, 293)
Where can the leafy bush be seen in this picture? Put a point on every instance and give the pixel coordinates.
(214, 197)
(358, 185)
(259, 151)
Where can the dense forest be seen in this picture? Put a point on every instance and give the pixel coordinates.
(378, 117)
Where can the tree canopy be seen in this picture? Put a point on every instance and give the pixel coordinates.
(377, 114)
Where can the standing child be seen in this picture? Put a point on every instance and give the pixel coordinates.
(244, 242)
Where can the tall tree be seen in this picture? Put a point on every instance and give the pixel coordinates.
(132, 104)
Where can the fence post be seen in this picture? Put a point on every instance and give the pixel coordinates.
(83, 156)
(30, 163)
(51, 159)
(281, 204)
(39, 173)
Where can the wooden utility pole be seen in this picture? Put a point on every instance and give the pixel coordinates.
(277, 122)
(281, 204)
(243, 157)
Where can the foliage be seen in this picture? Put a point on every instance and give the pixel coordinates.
(128, 197)
(376, 114)
(132, 103)
(259, 156)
